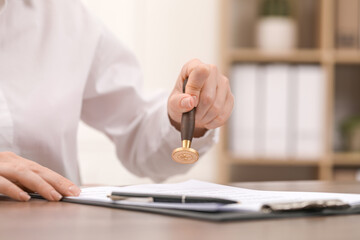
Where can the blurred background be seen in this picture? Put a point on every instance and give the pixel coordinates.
(294, 67)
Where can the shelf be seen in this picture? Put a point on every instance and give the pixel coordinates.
(254, 55)
(275, 162)
(346, 159)
(347, 56)
(324, 53)
(296, 56)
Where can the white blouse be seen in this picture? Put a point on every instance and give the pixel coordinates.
(58, 66)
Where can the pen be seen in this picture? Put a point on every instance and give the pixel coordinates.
(169, 198)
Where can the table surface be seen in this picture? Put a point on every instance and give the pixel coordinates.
(39, 219)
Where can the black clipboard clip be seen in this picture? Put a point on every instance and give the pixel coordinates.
(315, 205)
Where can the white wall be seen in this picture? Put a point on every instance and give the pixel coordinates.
(163, 34)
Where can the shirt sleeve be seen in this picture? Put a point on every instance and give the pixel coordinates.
(138, 125)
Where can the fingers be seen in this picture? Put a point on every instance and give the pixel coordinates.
(223, 115)
(34, 182)
(61, 184)
(17, 173)
(210, 93)
(10, 189)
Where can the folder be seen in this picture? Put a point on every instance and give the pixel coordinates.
(276, 111)
(309, 129)
(243, 119)
(254, 204)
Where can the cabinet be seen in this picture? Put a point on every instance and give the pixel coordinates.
(316, 24)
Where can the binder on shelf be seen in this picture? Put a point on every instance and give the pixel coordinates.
(310, 111)
(276, 111)
(243, 120)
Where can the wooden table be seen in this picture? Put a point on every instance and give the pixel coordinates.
(39, 219)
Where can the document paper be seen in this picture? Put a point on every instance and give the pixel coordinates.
(249, 200)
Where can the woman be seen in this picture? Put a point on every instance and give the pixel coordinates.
(58, 66)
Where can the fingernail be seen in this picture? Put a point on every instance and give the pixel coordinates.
(189, 103)
(194, 97)
(23, 196)
(56, 196)
(186, 103)
(74, 190)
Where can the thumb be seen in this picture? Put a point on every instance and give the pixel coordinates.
(181, 102)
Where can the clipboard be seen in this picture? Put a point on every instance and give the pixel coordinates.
(226, 216)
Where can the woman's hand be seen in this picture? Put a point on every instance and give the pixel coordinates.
(18, 174)
(208, 90)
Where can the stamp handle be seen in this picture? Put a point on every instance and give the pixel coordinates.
(187, 121)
